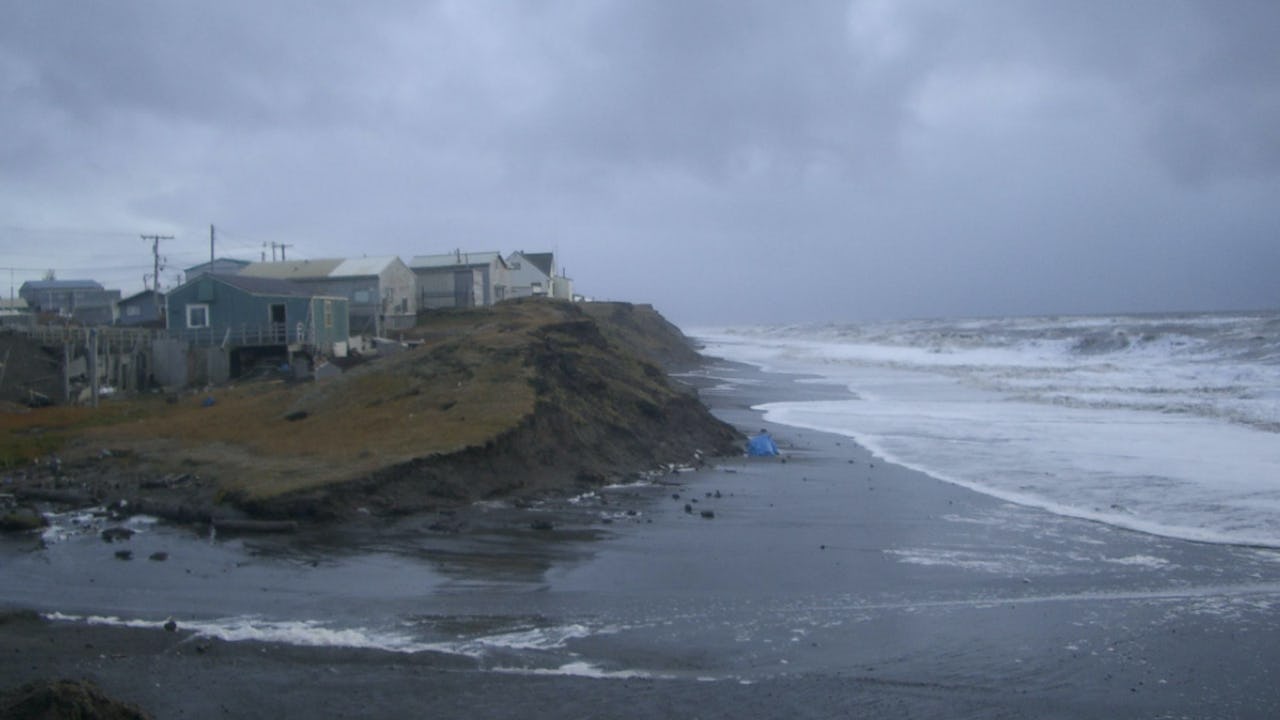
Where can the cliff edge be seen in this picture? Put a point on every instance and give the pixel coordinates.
(523, 398)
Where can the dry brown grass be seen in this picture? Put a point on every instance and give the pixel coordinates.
(470, 381)
(465, 385)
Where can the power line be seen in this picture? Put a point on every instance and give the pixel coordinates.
(64, 231)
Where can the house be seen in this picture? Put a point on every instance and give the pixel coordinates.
(221, 326)
(84, 301)
(145, 309)
(220, 266)
(459, 279)
(252, 317)
(535, 274)
(381, 291)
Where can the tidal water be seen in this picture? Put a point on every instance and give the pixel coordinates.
(1168, 424)
(828, 566)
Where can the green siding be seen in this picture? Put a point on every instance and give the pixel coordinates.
(232, 307)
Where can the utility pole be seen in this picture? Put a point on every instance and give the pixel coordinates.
(282, 246)
(155, 253)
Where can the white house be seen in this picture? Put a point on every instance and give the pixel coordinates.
(536, 274)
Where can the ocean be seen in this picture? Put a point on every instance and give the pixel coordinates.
(858, 572)
(1167, 424)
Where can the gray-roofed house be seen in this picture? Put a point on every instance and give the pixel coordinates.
(141, 309)
(241, 311)
(459, 279)
(381, 291)
(245, 318)
(219, 266)
(84, 301)
(536, 274)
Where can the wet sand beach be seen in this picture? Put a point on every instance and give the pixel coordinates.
(825, 583)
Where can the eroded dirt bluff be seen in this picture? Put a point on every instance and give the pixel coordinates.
(523, 398)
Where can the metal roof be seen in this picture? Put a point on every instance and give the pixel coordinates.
(62, 285)
(222, 261)
(542, 261)
(137, 295)
(454, 259)
(320, 268)
(265, 286)
(291, 269)
(363, 267)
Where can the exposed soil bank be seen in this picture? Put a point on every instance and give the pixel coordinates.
(525, 398)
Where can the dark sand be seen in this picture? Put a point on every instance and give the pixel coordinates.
(828, 585)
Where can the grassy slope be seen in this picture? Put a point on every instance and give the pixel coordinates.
(495, 400)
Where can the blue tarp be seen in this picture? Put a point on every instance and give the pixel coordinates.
(762, 444)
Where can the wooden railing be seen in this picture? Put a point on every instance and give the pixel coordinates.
(237, 336)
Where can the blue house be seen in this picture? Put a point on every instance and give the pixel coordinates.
(236, 313)
(84, 301)
(145, 309)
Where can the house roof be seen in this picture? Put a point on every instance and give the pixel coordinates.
(62, 285)
(140, 295)
(542, 261)
(320, 268)
(265, 286)
(454, 259)
(220, 261)
(292, 269)
(363, 267)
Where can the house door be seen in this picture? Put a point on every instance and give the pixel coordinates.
(279, 325)
(463, 289)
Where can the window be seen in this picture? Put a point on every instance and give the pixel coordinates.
(197, 316)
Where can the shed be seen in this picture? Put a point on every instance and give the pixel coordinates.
(459, 279)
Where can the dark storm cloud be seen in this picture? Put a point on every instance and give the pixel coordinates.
(725, 160)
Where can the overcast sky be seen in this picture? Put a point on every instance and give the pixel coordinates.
(729, 161)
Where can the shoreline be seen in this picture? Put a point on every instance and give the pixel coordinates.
(865, 550)
(1181, 534)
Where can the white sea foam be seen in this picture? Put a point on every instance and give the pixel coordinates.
(581, 669)
(306, 633)
(543, 641)
(1148, 561)
(88, 521)
(1162, 424)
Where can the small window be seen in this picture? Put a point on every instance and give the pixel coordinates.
(197, 316)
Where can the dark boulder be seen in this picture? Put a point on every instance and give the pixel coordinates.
(113, 534)
(22, 519)
(55, 699)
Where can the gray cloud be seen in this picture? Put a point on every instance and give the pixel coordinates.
(724, 160)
